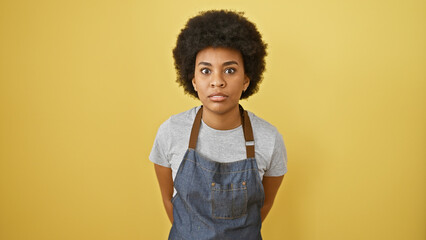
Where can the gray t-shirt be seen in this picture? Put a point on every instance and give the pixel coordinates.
(172, 142)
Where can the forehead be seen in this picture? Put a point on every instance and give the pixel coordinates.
(218, 54)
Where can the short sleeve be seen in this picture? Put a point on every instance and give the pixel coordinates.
(160, 149)
(278, 165)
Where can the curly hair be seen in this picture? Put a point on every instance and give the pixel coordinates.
(220, 28)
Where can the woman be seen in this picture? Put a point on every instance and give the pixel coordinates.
(219, 167)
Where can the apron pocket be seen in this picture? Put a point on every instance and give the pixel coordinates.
(229, 201)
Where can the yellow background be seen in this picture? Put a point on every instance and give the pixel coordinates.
(85, 85)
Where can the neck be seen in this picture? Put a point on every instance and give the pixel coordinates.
(224, 121)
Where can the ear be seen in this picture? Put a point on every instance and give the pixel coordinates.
(246, 82)
(193, 84)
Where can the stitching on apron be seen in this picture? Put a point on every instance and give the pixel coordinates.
(245, 170)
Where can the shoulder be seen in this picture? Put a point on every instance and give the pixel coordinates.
(183, 118)
(178, 124)
(269, 147)
(262, 127)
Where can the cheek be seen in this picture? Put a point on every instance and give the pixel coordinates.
(237, 84)
(202, 88)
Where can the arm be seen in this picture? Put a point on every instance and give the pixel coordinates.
(165, 180)
(271, 186)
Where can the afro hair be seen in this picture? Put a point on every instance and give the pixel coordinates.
(220, 28)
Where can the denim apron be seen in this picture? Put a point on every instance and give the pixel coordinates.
(217, 200)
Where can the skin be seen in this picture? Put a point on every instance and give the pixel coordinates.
(219, 80)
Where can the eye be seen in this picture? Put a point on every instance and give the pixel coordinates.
(230, 70)
(205, 71)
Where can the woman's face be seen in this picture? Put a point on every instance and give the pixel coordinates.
(219, 79)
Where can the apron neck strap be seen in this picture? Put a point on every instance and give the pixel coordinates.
(245, 120)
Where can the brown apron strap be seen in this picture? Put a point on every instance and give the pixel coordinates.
(248, 134)
(248, 131)
(195, 129)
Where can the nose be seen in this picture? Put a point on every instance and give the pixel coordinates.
(218, 81)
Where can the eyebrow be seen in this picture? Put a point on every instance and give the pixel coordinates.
(224, 64)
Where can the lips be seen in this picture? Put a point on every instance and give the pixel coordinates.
(218, 97)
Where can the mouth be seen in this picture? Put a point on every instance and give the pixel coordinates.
(218, 97)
